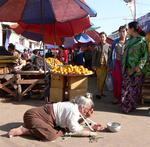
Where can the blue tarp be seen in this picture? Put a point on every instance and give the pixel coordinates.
(84, 38)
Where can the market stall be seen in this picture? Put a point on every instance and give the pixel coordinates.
(19, 80)
(25, 83)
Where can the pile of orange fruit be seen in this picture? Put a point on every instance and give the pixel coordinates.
(72, 70)
(53, 62)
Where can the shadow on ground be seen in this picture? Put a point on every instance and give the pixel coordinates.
(25, 101)
(9, 126)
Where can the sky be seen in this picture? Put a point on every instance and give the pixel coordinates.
(113, 13)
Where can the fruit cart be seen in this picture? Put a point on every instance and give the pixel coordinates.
(67, 81)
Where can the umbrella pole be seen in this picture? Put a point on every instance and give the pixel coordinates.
(43, 29)
(54, 38)
(44, 59)
(46, 79)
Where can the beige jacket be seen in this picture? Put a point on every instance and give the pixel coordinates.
(97, 53)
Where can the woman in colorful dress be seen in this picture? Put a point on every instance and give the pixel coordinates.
(133, 63)
(115, 63)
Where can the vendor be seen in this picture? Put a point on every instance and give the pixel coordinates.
(14, 52)
(34, 55)
(52, 120)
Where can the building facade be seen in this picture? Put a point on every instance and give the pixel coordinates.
(8, 36)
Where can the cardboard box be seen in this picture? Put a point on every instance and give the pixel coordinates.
(4, 70)
(76, 92)
(56, 95)
(57, 81)
(77, 82)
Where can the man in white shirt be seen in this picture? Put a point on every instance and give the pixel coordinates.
(67, 115)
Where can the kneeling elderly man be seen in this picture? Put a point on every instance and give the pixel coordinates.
(53, 120)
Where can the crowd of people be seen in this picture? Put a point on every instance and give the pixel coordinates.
(126, 60)
(77, 56)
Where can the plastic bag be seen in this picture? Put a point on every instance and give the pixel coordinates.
(109, 83)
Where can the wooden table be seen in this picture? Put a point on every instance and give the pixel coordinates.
(30, 79)
(7, 84)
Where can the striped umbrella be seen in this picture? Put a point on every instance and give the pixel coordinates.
(43, 11)
(52, 33)
(47, 20)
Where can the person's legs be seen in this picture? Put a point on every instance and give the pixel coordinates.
(38, 122)
(126, 84)
(101, 77)
(45, 131)
(41, 124)
(98, 70)
(114, 83)
(117, 82)
(131, 88)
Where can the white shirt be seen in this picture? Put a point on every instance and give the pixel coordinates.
(67, 115)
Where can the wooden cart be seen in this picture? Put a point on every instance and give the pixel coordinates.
(27, 80)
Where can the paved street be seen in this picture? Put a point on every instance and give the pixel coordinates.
(135, 129)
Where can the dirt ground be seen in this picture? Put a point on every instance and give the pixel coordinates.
(135, 131)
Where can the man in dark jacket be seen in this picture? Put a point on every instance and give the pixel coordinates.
(100, 62)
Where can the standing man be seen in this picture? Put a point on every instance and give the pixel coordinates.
(115, 63)
(100, 62)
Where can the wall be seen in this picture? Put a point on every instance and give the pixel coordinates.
(20, 41)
